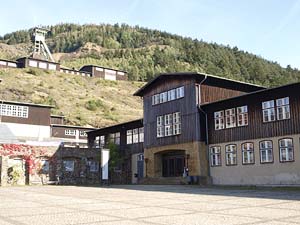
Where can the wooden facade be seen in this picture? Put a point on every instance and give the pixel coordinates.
(37, 63)
(256, 128)
(59, 131)
(122, 129)
(57, 119)
(192, 121)
(104, 72)
(8, 63)
(37, 114)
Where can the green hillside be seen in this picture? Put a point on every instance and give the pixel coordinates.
(144, 53)
(84, 101)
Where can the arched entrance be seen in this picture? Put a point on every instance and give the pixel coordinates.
(172, 163)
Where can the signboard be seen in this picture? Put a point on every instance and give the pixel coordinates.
(104, 163)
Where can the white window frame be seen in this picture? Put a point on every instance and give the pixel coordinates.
(176, 123)
(160, 126)
(82, 133)
(135, 136)
(266, 146)
(230, 118)
(283, 108)
(171, 95)
(129, 137)
(215, 156)
(141, 134)
(286, 150)
(268, 111)
(219, 120)
(242, 116)
(168, 125)
(180, 92)
(163, 97)
(70, 132)
(248, 153)
(231, 155)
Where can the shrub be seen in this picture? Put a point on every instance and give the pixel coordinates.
(93, 105)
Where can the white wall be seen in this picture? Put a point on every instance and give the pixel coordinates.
(13, 131)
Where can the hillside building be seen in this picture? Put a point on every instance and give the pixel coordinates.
(215, 130)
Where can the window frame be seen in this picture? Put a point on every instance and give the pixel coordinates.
(261, 149)
(234, 152)
(247, 151)
(230, 116)
(219, 118)
(213, 154)
(283, 106)
(244, 114)
(286, 147)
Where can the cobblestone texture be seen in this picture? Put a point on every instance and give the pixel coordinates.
(146, 205)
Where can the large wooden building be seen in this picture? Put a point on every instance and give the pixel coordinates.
(219, 130)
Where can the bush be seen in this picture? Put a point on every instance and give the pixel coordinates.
(93, 105)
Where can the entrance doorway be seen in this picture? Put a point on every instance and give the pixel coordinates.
(173, 164)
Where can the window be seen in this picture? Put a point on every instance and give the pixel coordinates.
(82, 133)
(242, 115)
(248, 153)
(44, 166)
(102, 141)
(163, 97)
(171, 95)
(141, 134)
(286, 150)
(266, 151)
(70, 132)
(68, 165)
(129, 137)
(14, 110)
(230, 118)
(135, 136)
(231, 155)
(32, 63)
(94, 166)
(219, 120)
(283, 108)
(268, 111)
(176, 123)
(160, 126)
(114, 138)
(11, 64)
(52, 66)
(168, 125)
(180, 92)
(42, 65)
(2, 63)
(215, 156)
(155, 99)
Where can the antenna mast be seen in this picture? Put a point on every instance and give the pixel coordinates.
(40, 49)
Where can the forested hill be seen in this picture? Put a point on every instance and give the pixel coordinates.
(145, 52)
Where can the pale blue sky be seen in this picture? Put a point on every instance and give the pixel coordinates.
(269, 28)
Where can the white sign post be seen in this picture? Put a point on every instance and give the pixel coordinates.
(104, 163)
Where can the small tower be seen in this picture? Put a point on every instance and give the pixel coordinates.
(40, 49)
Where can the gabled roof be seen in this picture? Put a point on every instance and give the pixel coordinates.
(103, 67)
(24, 103)
(286, 87)
(206, 78)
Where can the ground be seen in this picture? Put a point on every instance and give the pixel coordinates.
(146, 205)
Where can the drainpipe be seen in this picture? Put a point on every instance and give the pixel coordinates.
(206, 126)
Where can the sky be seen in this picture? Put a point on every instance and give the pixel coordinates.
(268, 28)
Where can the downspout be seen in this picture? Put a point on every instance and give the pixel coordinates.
(206, 126)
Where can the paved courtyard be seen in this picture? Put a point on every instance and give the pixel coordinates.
(146, 205)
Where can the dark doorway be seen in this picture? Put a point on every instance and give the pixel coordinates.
(172, 165)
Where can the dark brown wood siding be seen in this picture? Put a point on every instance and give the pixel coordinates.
(190, 124)
(36, 116)
(256, 128)
(212, 93)
(57, 131)
(57, 120)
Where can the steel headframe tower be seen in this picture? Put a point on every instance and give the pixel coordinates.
(41, 49)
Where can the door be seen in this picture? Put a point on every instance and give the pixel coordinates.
(172, 166)
(140, 166)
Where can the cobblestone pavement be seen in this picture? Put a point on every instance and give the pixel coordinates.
(146, 205)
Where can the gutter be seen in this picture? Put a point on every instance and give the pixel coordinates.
(206, 127)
